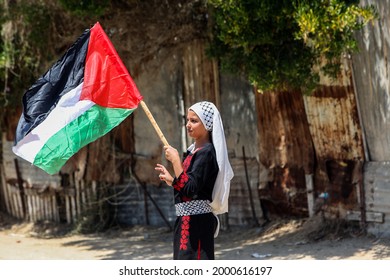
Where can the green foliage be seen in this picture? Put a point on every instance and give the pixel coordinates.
(285, 44)
(25, 30)
(328, 28)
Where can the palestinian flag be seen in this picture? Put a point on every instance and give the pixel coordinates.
(80, 98)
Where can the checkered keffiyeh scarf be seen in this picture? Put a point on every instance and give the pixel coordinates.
(211, 119)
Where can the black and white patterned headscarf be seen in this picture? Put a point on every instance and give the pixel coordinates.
(205, 111)
(211, 119)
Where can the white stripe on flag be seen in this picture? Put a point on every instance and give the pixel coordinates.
(68, 109)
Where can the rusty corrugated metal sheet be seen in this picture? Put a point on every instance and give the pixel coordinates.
(319, 133)
(286, 149)
(334, 123)
(284, 136)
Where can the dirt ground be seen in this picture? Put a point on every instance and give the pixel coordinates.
(309, 239)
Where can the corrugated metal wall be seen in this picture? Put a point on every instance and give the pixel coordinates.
(333, 117)
(286, 152)
(284, 134)
(371, 75)
(334, 123)
(310, 141)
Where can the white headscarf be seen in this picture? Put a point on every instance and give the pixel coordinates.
(211, 119)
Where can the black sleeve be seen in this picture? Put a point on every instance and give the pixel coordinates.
(201, 174)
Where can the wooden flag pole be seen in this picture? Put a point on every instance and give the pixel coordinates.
(154, 123)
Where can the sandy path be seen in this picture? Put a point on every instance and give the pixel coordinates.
(278, 241)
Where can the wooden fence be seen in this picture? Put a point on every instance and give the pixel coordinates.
(36, 203)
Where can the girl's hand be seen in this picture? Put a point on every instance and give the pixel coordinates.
(164, 174)
(172, 154)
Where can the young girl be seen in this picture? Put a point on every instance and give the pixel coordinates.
(201, 183)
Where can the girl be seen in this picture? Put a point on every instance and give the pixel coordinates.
(201, 183)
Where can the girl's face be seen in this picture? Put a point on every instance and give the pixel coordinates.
(195, 127)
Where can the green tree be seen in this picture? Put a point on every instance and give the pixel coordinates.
(25, 27)
(285, 44)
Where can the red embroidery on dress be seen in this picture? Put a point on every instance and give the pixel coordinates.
(187, 162)
(185, 220)
(183, 178)
(185, 232)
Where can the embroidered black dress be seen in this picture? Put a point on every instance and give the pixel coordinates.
(194, 234)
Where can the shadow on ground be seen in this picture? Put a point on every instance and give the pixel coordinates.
(315, 238)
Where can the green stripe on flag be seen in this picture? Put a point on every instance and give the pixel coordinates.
(94, 123)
